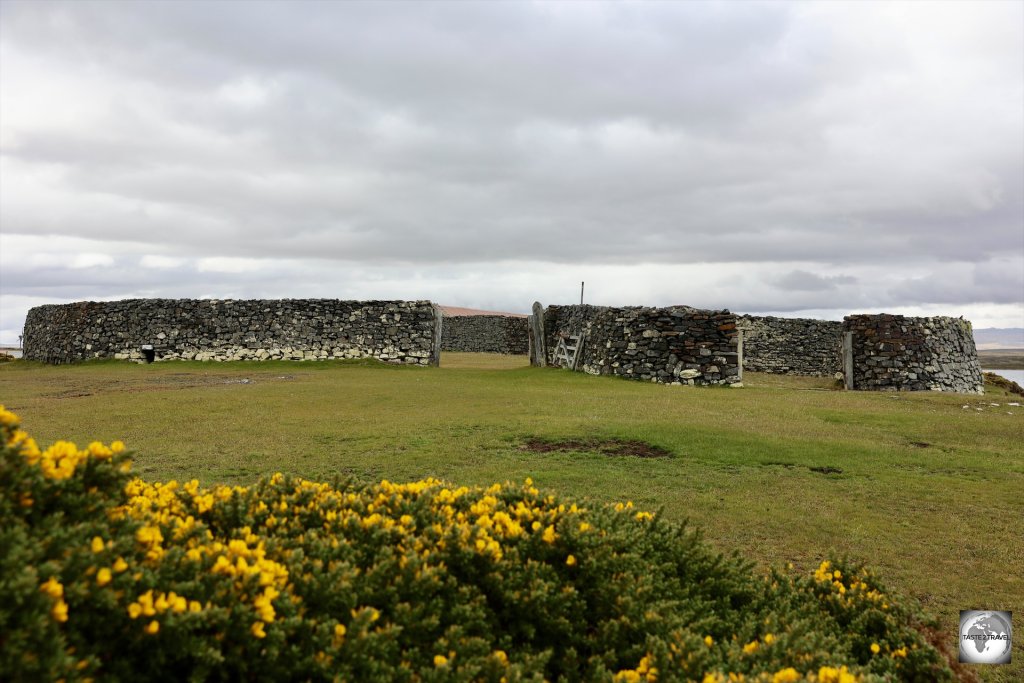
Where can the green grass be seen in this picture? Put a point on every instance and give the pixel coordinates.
(930, 494)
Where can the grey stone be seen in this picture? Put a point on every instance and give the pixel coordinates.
(920, 354)
(209, 330)
(485, 333)
(678, 344)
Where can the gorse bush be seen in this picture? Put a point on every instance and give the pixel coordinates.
(108, 577)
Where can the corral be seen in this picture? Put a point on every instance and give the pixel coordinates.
(675, 345)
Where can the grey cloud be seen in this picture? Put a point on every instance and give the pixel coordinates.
(569, 134)
(801, 280)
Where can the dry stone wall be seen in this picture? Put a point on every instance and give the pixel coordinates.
(678, 345)
(405, 332)
(484, 333)
(792, 346)
(896, 353)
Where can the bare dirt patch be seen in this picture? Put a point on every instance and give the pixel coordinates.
(610, 447)
(68, 394)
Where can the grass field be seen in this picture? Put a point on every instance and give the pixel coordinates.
(927, 488)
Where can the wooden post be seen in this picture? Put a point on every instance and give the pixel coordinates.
(581, 293)
(538, 348)
(578, 351)
(848, 359)
(435, 344)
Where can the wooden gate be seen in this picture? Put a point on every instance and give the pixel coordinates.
(567, 352)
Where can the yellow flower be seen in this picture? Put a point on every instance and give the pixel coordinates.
(787, 675)
(53, 588)
(571, 560)
(902, 652)
(97, 544)
(440, 660)
(549, 534)
(500, 656)
(153, 627)
(828, 674)
(99, 451)
(750, 647)
(875, 649)
(7, 418)
(103, 577)
(709, 641)
(257, 630)
(149, 535)
(644, 667)
(120, 565)
(59, 611)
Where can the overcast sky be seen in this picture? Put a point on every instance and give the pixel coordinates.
(813, 159)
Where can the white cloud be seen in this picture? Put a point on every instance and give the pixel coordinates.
(161, 262)
(79, 261)
(222, 264)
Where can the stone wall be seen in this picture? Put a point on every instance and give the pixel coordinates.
(897, 353)
(678, 345)
(191, 329)
(484, 333)
(792, 346)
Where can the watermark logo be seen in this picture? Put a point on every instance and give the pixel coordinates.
(986, 637)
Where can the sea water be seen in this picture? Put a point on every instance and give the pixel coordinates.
(1012, 375)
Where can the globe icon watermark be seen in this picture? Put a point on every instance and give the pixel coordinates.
(986, 637)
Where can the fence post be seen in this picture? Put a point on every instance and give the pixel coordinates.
(435, 343)
(848, 359)
(538, 349)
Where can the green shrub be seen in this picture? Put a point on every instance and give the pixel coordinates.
(112, 578)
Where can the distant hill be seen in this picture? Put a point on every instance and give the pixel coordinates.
(456, 311)
(999, 338)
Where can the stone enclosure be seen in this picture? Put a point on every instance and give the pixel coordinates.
(675, 345)
(682, 345)
(896, 353)
(405, 332)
